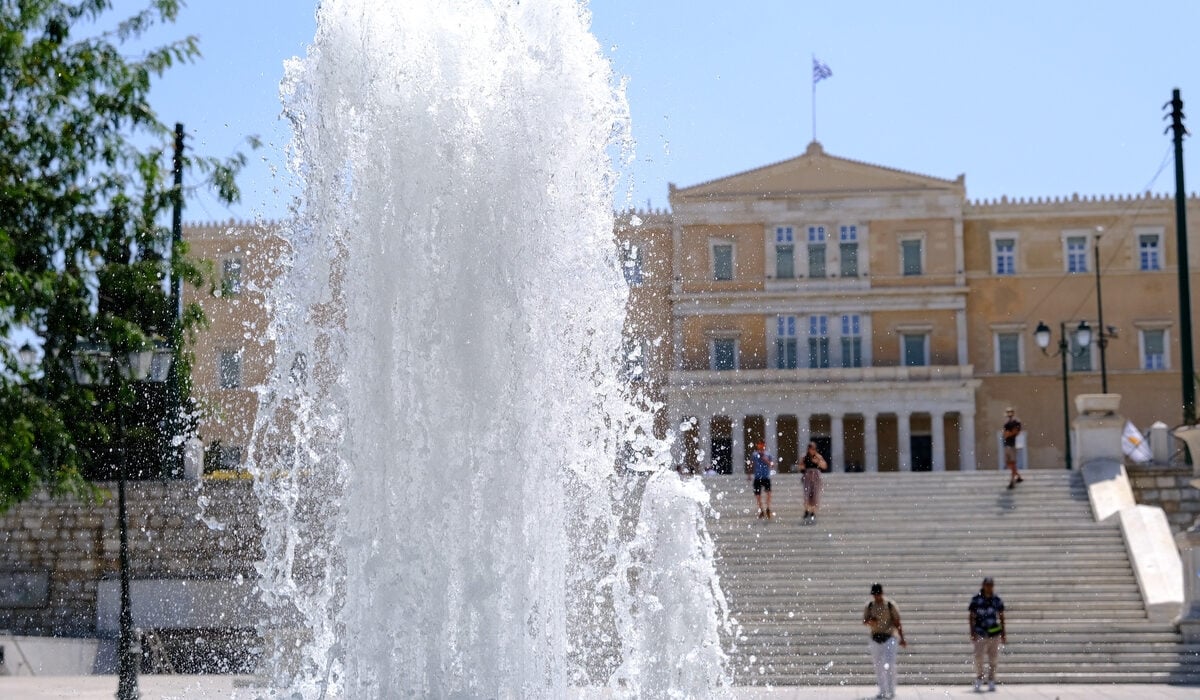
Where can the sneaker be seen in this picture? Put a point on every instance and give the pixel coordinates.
(1019, 479)
(770, 513)
(761, 514)
(992, 686)
(1011, 484)
(978, 685)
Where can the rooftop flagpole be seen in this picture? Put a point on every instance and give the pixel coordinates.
(820, 72)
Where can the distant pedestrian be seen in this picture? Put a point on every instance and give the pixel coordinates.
(761, 464)
(883, 618)
(1012, 428)
(812, 464)
(986, 618)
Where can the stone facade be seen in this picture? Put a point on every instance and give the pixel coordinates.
(55, 552)
(1170, 489)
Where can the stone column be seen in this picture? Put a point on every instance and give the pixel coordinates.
(737, 432)
(1188, 621)
(803, 432)
(837, 447)
(904, 441)
(937, 422)
(771, 436)
(704, 444)
(870, 443)
(966, 440)
(681, 438)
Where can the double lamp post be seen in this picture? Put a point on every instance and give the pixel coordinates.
(95, 365)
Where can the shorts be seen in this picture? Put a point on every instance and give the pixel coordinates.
(763, 484)
(1010, 453)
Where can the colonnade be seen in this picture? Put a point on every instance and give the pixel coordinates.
(699, 434)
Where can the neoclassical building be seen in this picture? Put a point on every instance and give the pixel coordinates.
(884, 316)
(877, 312)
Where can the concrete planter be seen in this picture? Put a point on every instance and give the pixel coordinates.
(1097, 404)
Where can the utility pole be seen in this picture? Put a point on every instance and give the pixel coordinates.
(174, 466)
(1181, 236)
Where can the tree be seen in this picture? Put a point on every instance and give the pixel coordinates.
(85, 184)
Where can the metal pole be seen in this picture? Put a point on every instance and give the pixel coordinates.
(1101, 338)
(1063, 348)
(1181, 238)
(173, 466)
(127, 651)
(177, 220)
(814, 100)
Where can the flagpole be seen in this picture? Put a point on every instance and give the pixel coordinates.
(814, 102)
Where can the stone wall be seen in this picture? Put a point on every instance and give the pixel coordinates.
(1170, 489)
(55, 551)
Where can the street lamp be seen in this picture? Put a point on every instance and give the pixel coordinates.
(1083, 337)
(93, 364)
(1101, 336)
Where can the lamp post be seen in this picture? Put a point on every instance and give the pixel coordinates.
(1083, 337)
(1102, 334)
(94, 365)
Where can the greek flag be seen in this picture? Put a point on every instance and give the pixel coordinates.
(820, 71)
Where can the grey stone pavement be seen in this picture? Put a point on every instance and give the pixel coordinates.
(242, 687)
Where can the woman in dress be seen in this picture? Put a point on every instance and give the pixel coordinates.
(813, 464)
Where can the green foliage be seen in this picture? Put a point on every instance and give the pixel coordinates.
(85, 181)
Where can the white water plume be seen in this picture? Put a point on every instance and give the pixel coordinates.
(437, 456)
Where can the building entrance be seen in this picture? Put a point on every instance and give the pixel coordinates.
(922, 452)
(722, 455)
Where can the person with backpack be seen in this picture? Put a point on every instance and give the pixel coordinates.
(985, 615)
(883, 619)
(761, 464)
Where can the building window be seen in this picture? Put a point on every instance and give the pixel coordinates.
(724, 354)
(1154, 349)
(818, 342)
(1005, 254)
(1149, 255)
(1081, 358)
(851, 341)
(915, 349)
(230, 369)
(1076, 253)
(231, 276)
(785, 253)
(631, 264)
(219, 457)
(816, 251)
(849, 253)
(1008, 353)
(722, 261)
(785, 342)
(910, 256)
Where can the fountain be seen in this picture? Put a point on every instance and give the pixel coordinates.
(435, 454)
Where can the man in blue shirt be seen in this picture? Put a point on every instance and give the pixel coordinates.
(762, 464)
(986, 617)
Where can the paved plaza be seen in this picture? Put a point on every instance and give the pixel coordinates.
(244, 688)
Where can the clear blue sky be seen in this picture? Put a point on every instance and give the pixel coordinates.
(1025, 98)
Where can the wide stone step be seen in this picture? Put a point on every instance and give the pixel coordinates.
(796, 591)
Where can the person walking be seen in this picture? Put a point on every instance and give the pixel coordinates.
(986, 618)
(761, 464)
(1012, 428)
(883, 619)
(812, 464)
